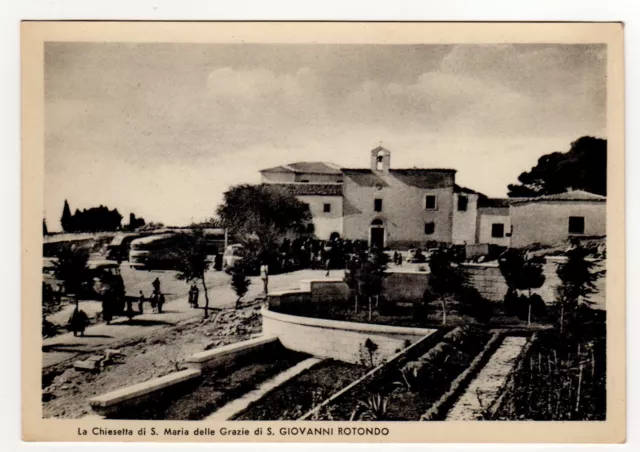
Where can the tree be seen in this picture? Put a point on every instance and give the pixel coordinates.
(66, 220)
(239, 281)
(583, 167)
(134, 223)
(578, 277)
(71, 267)
(365, 276)
(521, 273)
(192, 261)
(45, 230)
(259, 216)
(445, 278)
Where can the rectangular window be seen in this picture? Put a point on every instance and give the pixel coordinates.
(430, 202)
(497, 230)
(576, 225)
(304, 181)
(429, 228)
(377, 205)
(462, 203)
(327, 208)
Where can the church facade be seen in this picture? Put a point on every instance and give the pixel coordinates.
(402, 208)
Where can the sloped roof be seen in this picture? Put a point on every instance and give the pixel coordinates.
(572, 195)
(310, 189)
(305, 168)
(460, 189)
(415, 177)
(484, 201)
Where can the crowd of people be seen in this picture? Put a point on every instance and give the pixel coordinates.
(313, 254)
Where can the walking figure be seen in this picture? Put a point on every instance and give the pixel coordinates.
(141, 303)
(264, 275)
(156, 285)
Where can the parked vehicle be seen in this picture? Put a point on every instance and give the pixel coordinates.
(158, 252)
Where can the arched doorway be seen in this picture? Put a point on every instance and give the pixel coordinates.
(377, 234)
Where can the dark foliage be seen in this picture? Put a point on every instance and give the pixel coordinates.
(71, 268)
(134, 223)
(90, 220)
(583, 167)
(260, 215)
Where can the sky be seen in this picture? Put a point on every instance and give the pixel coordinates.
(163, 130)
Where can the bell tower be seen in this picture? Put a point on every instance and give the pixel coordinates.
(380, 160)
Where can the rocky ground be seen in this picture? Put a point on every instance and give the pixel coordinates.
(66, 390)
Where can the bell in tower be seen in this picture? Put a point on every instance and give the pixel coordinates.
(380, 160)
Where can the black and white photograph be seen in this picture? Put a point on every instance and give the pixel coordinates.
(238, 231)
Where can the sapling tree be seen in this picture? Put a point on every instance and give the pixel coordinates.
(369, 274)
(446, 278)
(522, 272)
(192, 261)
(578, 276)
(71, 267)
(239, 281)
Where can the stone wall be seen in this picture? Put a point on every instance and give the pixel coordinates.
(487, 279)
(344, 341)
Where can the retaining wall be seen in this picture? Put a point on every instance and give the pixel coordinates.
(487, 278)
(344, 341)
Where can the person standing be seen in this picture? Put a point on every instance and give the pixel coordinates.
(156, 285)
(78, 322)
(196, 294)
(160, 303)
(141, 303)
(129, 308)
(264, 275)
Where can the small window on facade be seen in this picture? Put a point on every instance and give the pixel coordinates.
(377, 205)
(463, 201)
(430, 202)
(304, 181)
(327, 207)
(429, 228)
(576, 225)
(339, 181)
(497, 230)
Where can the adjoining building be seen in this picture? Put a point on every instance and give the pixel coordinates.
(556, 218)
(400, 208)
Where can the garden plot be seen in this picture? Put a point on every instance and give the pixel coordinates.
(480, 394)
(562, 377)
(298, 395)
(406, 393)
(220, 386)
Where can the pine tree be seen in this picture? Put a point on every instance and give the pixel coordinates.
(67, 220)
(45, 230)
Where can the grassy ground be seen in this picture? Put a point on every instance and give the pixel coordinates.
(300, 394)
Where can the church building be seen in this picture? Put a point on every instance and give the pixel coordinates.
(399, 208)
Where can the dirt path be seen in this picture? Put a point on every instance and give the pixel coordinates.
(485, 388)
(67, 390)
